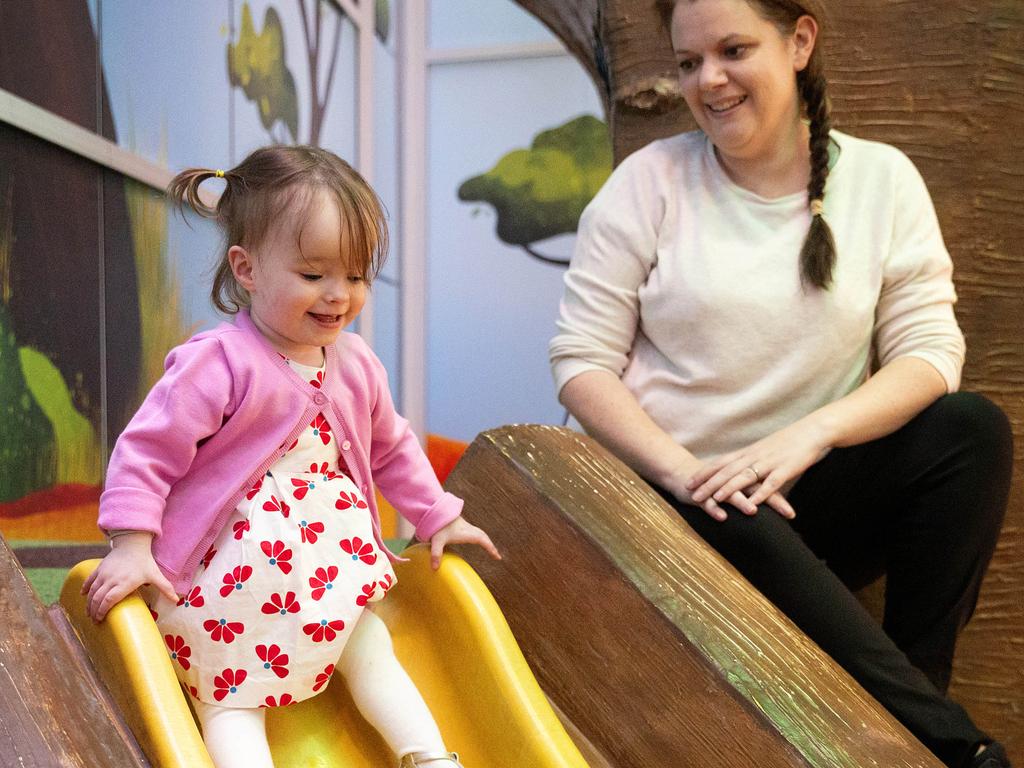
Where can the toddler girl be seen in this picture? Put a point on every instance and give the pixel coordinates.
(242, 490)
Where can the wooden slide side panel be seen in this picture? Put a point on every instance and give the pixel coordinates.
(659, 652)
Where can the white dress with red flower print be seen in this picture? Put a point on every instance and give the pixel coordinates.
(281, 589)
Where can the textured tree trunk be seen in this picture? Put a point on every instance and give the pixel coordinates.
(944, 81)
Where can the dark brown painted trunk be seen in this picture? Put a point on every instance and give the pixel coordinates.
(943, 81)
(60, 205)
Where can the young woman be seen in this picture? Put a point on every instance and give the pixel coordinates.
(759, 320)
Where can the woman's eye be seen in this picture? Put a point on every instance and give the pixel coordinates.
(311, 277)
(735, 51)
(687, 65)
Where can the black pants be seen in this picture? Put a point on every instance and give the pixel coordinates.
(923, 505)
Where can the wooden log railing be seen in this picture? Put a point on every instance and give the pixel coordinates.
(656, 649)
(53, 709)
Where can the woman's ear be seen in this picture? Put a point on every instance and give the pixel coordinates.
(242, 265)
(804, 38)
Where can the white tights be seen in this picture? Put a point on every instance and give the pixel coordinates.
(381, 689)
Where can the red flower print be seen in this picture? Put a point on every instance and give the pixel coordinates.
(368, 592)
(194, 599)
(277, 555)
(321, 580)
(321, 428)
(318, 381)
(281, 605)
(386, 583)
(302, 487)
(254, 490)
(194, 691)
(227, 682)
(359, 550)
(233, 581)
(309, 531)
(156, 615)
(276, 506)
(240, 528)
(323, 677)
(285, 700)
(178, 650)
(324, 630)
(273, 659)
(322, 470)
(210, 554)
(348, 500)
(223, 630)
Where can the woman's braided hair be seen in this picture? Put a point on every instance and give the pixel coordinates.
(818, 254)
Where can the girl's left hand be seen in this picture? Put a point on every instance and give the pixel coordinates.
(458, 531)
(766, 465)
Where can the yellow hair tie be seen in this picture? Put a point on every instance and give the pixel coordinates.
(219, 174)
(817, 207)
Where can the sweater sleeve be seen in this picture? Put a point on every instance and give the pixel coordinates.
(615, 251)
(914, 316)
(188, 404)
(400, 467)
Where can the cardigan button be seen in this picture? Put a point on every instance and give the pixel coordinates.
(346, 445)
(319, 398)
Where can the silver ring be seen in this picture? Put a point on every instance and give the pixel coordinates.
(757, 475)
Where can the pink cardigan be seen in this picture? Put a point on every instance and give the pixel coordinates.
(227, 407)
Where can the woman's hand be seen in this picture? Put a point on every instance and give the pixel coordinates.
(679, 484)
(762, 468)
(127, 567)
(458, 531)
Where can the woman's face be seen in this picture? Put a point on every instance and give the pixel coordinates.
(737, 72)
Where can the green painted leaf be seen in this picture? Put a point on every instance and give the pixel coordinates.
(540, 192)
(77, 449)
(256, 64)
(27, 451)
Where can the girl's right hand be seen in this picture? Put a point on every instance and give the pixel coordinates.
(127, 567)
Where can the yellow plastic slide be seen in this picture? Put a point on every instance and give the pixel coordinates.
(448, 633)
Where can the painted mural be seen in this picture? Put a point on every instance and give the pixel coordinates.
(506, 186)
(98, 280)
(540, 192)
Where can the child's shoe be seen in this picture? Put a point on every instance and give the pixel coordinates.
(432, 759)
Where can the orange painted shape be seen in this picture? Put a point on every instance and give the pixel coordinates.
(444, 453)
(74, 523)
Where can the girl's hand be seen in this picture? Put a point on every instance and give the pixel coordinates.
(762, 468)
(458, 531)
(127, 567)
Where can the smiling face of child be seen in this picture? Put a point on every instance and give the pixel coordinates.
(303, 288)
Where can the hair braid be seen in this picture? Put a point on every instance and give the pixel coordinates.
(818, 254)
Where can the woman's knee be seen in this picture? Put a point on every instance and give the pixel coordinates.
(973, 417)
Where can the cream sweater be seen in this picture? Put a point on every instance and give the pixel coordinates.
(687, 287)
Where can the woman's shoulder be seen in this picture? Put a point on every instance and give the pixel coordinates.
(648, 178)
(662, 155)
(864, 154)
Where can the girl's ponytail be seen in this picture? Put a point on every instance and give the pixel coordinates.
(184, 190)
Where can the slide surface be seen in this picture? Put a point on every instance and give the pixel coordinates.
(448, 633)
